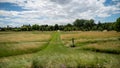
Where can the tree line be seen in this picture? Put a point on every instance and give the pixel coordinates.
(78, 24)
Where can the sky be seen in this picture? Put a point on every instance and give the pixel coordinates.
(18, 12)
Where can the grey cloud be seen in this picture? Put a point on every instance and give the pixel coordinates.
(61, 1)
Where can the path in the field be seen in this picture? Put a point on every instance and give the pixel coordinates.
(55, 45)
(55, 55)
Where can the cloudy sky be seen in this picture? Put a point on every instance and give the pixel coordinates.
(19, 12)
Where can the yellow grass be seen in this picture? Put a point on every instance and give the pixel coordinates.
(114, 45)
(25, 46)
(24, 36)
(90, 35)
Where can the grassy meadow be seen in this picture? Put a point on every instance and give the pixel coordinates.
(35, 49)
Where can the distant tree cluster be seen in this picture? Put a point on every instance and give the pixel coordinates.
(78, 24)
(87, 25)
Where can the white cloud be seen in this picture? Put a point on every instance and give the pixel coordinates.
(57, 11)
(8, 13)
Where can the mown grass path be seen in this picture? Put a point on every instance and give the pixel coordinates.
(54, 46)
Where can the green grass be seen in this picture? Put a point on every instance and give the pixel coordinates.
(81, 59)
(16, 48)
(56, 55)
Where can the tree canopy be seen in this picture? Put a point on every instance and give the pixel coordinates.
(117, 25)
(78, 24)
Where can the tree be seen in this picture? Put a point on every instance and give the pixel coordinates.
(99, 26)
(69, 25)
(50, 28)
(61, 27)
(56, 27)
(24, 28)
(92, 24)
(117, 25)
(78, 22)
(35, 27)
(83, 24)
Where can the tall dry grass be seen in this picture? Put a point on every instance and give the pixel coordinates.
(107, 47)
(23, 36)
(90, 35)
(10, 49)
(15, 43)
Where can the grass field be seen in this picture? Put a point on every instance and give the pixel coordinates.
(92, 49)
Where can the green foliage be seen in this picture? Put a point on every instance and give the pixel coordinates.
(35, 27)
(26, 28)
(117, 25)
(56, 27)
(78, 24)
(84, 24)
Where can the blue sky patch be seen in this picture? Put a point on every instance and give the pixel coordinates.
(10, 7)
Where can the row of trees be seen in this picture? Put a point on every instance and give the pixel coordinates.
(78, 24)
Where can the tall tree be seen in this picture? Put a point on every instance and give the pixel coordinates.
(117, 25)
(56, 27)
(35, 27)
(92, 24)
(79, 23)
